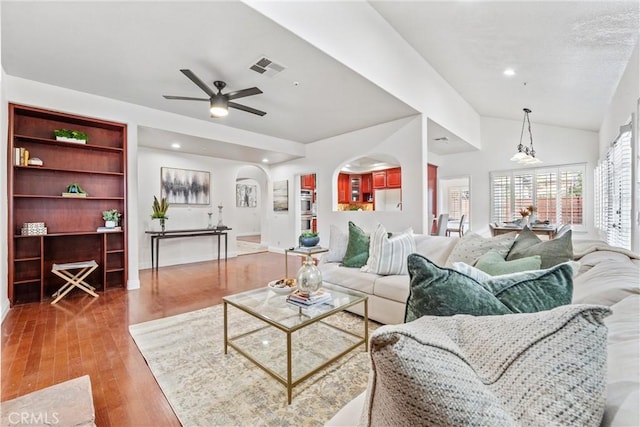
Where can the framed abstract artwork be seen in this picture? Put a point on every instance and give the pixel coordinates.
(281, 196)
(246, 195)
(184, 186)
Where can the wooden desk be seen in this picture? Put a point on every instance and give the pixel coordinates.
(546, 230)
(156, 236)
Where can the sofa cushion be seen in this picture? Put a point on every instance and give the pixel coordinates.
(338, 241)
(472, 246)
(350, 278)
(394, 287)
(357, 251)
(493, 263)
(538, 369)
(440, 291)
(436, 248)
(552, 252)
(388, 255)
(623, 381)
(600, 286)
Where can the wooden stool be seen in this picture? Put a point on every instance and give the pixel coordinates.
(74, 280)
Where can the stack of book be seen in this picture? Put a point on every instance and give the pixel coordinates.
(319, 297)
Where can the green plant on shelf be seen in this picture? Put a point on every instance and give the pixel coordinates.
(309, 234)
(111, 215)
(75, 189)
(74, 134)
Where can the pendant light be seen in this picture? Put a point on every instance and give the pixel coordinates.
(526, 155)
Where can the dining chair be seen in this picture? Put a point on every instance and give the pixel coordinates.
(459, 229)
(441, 229)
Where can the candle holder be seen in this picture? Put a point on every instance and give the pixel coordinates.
(220, 224)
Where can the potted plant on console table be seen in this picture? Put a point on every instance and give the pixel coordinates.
(160, 210)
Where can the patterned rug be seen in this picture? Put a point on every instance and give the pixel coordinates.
(205, 387)
(246, 248)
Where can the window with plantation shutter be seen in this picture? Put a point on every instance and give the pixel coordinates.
(613, 182)
(556, 193)
(501, 209)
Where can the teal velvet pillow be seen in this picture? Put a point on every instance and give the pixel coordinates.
(552, 252)
(494, 264)
(437, 291)
(357, 252)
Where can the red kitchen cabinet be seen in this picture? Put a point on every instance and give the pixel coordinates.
(379, 179)
(394, 178)
(344, 188)
(308, 182)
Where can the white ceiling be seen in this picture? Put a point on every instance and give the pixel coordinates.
(570, 54)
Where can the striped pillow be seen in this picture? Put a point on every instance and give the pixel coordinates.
(388, 255)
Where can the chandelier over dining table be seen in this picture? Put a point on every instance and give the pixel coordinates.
(526, 154)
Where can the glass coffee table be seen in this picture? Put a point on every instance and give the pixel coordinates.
(313, 336)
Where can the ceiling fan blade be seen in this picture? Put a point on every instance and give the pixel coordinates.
(186, 98)
(247, 109)
(202, 85)
(242, 93)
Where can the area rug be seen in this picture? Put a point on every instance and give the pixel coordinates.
(246, 248)
(205, 387)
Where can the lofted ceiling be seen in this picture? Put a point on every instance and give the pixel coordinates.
(570, 55)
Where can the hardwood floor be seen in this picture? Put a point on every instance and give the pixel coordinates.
(43, 344)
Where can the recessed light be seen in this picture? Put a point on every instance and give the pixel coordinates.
(509, 72)
(265, 160)
(175, 145)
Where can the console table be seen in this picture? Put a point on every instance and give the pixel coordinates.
(156, 236)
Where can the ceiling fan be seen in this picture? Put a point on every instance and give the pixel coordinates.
(219, 102)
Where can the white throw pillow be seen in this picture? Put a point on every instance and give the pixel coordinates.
(388, 255)
(338, 241)
(533, 369)
(473, 245)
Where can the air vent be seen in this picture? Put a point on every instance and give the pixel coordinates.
(267, 67)
(442, 139)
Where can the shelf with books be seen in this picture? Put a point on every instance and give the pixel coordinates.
(98, 166)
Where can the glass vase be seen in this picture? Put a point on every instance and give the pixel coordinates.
(309, 278)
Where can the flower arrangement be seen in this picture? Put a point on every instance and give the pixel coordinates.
(529, 210)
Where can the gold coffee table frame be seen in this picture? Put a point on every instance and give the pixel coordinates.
(300, 317)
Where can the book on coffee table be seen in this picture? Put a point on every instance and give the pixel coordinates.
(319, 297)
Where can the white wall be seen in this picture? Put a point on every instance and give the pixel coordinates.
(223, 185)
(4, 239)
(401, 139)
(554, 146)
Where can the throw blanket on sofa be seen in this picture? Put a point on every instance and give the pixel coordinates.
(585, 247)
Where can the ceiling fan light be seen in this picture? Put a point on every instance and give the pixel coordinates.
(219, 106)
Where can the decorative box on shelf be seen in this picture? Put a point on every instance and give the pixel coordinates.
(33, 229)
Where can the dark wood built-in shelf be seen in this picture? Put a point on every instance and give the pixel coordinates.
(35, 195)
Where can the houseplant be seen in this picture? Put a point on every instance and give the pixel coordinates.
(160, 210)
(70, 135)
(308, 239)
(111, 218)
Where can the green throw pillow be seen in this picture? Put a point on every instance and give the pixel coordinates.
(493, 263)
(357, 252)
(437, 291)
(552, 252)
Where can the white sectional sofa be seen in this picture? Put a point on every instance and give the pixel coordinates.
(387, 294)
(607, 276)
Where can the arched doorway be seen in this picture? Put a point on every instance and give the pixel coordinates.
(251, 184)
